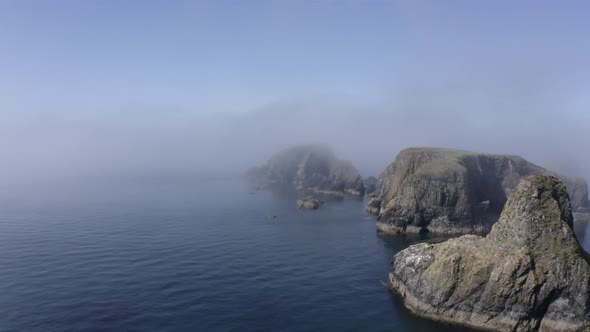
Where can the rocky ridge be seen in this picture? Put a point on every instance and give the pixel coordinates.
(452, 191)
(528, 274)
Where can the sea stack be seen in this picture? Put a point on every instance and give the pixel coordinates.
(453, 191)
(308, 169)
(528, 274)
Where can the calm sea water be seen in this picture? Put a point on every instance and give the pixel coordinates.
(192, 256)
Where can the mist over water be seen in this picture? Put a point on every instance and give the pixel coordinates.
(217, 88)
(195, 253)
(43, 145)
(503, 111)
(125, 129)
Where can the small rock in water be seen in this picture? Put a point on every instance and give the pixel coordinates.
(309, 202)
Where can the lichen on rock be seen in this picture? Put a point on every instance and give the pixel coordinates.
(529, 274)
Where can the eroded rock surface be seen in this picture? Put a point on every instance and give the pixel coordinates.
(452, 191)
(528, 274)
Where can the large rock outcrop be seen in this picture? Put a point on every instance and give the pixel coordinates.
(528, 274)
(452, 191)
(308, 169)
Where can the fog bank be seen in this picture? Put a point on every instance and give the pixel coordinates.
(536, 117)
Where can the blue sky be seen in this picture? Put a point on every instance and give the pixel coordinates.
(212, 56)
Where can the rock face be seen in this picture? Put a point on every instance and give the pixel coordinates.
(371, 184)
(309, 202)
(308, 168)
(452, 191)
(528, 274)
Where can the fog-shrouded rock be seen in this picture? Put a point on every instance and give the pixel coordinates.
(452, 191)
(578, 190)
(308, 169)
(370, 184)
(528, 274)
(581, 226)
(309, 203)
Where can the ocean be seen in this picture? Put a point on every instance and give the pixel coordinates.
(193, 254)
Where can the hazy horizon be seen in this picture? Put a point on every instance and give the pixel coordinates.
(127, 129)
(104, 88)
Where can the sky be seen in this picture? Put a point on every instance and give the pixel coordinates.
(91, 87)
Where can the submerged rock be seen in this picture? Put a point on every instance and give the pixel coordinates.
(528, 274)
(308, 169)
(452, 191)
(309, 202)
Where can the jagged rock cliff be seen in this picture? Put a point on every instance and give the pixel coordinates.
(528, 274)
(452, 191)
(308, 168)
